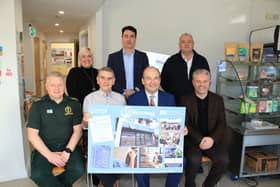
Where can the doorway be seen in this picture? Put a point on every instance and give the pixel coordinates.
(37, 67)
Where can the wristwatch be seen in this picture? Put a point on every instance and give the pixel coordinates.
(68, 150)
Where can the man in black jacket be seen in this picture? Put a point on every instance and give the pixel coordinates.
(176, 76)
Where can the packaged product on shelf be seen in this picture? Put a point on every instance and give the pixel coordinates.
(252, 107)
(244, 107)
(261, 105)
(265, 86)
(252, 90)
(276, 88)
(275, 105)
(268, 106)
(267, 72)
(256, 52)
(230, 51)
(269, 55)
(243, 52)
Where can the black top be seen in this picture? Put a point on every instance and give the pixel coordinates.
(174, 77)
(216, 119)
(202, 108)
(81, 81)
(55, 121)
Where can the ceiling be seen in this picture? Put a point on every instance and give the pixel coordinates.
(43, 14)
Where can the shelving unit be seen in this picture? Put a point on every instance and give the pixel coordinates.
(232, 83)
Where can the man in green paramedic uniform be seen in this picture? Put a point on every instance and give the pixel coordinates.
(54, 129)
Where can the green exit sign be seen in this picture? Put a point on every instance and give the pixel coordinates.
(32, 31)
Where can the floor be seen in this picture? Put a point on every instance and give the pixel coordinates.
(158, 181)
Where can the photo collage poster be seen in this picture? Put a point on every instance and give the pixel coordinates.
(135, 139)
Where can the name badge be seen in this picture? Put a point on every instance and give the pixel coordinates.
(49, 111)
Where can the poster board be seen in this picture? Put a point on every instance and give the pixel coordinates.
(135, 139)
(62, 57)
(157, 59)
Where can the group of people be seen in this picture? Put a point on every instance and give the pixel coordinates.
(55, 122)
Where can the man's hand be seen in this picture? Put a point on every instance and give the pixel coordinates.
(128, 93)
(132, 154)
(57, 159)
(86, 118)
(206, 143)
(186, 131)
(65, 156)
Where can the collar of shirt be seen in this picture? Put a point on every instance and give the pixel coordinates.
(47, 98)
(126, 54)
(189, 63)
(155, 97)
(102, 93)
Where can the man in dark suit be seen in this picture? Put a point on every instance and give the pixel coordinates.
(176, 76)
(128, 64)
(152, 96)
(206, 123)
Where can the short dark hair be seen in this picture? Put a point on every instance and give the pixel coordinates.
(130, 28)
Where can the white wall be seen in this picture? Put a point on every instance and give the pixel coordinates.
(160, 23)
(264, 14)
(11, 146)
(92, 28)
(28, 50)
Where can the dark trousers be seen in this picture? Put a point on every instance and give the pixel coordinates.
(172, 180)
(41, 170)
(108, 180)
(219, 159)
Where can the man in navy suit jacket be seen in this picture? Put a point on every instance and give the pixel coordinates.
(151, 82)
(128, 64)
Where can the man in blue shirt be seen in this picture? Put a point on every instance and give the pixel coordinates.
(128, 64)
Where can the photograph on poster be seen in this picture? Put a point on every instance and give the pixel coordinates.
(125, 157)
(101, 155)
(173, 157)
(136, 132)
(150, 157)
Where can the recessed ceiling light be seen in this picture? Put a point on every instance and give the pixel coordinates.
(56, 24)
(61, 12)
(61, 31)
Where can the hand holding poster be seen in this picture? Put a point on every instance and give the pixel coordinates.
(135, 139)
